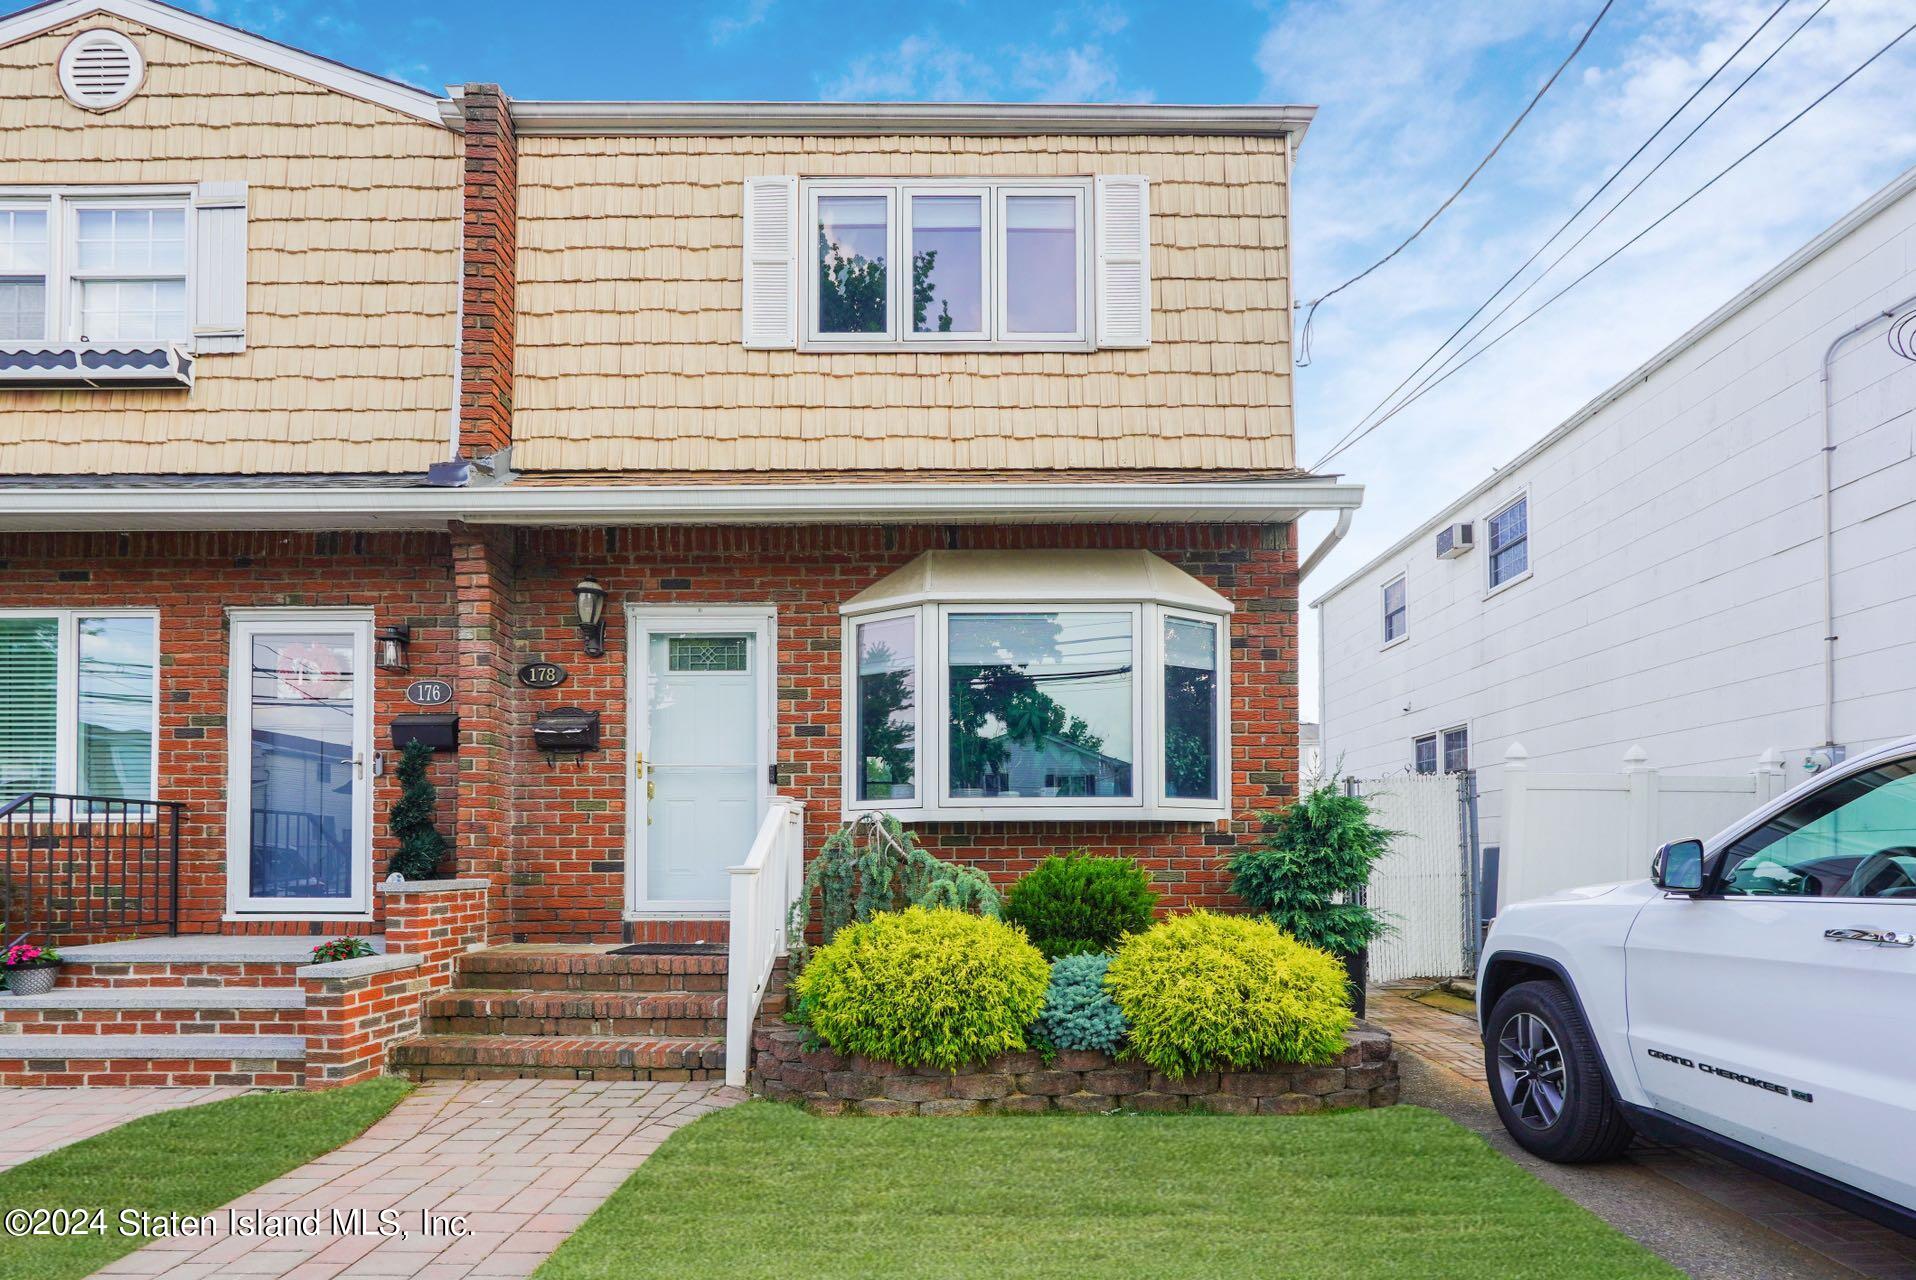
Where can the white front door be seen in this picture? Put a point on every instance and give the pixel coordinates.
(701, 703)
(299, 755)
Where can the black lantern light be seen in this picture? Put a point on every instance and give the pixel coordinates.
(590, 597)
(392, 647)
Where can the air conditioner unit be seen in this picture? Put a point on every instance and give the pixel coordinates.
(1453, 540)
(85, 364)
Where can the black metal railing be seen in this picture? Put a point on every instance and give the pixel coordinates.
(91, 864)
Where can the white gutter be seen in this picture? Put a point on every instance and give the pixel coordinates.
(1829, 485)
(1329, 543)
(1228, 502)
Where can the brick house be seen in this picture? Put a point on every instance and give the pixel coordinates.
(327, 403)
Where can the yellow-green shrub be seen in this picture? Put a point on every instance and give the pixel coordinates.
(1203, 992)
(921, 988)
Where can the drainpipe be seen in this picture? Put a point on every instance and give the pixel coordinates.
(1329, 544)
(1829, 551)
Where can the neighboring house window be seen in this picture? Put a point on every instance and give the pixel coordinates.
(78, 703)
(1423, 754)
(1456, 750)
(1396, 619)
(928, 262)
(1510, 542)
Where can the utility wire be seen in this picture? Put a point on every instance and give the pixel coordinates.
(1612, 255)
(1304, 337)
(1584, 207)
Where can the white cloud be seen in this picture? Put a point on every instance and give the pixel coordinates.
(729, 26)
(1411, 95)
(920, 66)
(1075, 67)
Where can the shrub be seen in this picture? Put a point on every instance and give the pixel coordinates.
(924, 988)
(875, 864)
(1310, 868)
(421, 845)
(1078, 904)
(1078, 1012)
(1204, 991)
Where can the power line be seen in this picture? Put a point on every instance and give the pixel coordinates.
(1584, 207)
(1304, 337)
(1612, 255)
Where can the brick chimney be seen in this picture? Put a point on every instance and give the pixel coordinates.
(490, 287)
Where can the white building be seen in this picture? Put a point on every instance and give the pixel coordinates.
(1664, 568)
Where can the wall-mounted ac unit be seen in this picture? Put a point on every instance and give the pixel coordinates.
(84, 364)
(1453, 540)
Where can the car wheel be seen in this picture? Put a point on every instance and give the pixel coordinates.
(1546, 1077)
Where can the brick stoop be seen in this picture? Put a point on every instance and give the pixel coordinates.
(573, 1013)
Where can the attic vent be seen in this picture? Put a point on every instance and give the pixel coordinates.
(100, 69)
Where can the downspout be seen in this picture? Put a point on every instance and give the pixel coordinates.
(1329, 544)
(1829, 549)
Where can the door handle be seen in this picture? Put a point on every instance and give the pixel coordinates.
(1875, 937)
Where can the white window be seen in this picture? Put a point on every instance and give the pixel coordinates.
(109, 266)
(1396, 620)
(78, 703)
(1456, 749)
(1510, 542)
(1423, 754)
(971, 264)
(973, 708)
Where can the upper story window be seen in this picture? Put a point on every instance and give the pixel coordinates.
(1396, 618)
(850, 264)
(1423, 754)
(78, 703)
(1456, 749)
(1002, 685)
(1510, 542)
(88, 269)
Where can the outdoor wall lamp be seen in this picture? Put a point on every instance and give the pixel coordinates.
(590, 597)
(392, 647)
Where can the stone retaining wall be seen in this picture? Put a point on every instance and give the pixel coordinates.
(828, 1083)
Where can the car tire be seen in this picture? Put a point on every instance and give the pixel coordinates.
(1546, 1077)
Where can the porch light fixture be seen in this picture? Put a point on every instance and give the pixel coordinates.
(392, 647)
(590, 598)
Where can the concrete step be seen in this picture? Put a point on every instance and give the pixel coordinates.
(155, 1011)
(267, 1061)
(576, 1013)
(195, 960)
(458, 1057)
(536, 967)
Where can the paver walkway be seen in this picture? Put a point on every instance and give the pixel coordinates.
(42, 1120)
(1851, 1245)
(522, 1162)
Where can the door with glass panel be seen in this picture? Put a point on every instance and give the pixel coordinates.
(299, 797)
(701, 707)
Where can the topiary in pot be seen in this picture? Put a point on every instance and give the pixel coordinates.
(421, 846)
(1078, 1012)
(1077, 904)
(1203, 992)
(924, 988)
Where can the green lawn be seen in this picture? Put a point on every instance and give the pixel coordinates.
(189, 1162)
(763, 1190)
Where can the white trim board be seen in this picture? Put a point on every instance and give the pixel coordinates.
(404, 98)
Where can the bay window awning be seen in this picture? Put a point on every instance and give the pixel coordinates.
(956, 577)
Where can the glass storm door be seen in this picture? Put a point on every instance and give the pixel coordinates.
(300, 792)
(702, 757)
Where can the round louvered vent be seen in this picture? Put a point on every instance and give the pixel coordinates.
(100, 69)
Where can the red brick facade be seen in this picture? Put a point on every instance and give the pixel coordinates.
(489, 290)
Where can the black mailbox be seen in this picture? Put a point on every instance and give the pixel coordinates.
(566, 729)
(440, 731)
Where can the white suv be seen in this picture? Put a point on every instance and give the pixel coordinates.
(1757, 996)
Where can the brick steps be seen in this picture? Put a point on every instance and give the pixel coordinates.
(455, 1057)
(576, 1013)
(60, 1061)
(540, 968)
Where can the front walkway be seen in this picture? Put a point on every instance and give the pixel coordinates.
(43, 1120)
(524, 1162)
(1777, 1231)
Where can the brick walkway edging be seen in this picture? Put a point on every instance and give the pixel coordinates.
(829, 1083)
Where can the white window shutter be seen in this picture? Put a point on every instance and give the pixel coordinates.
(219, 267)
(1124, 262)
(771, 262)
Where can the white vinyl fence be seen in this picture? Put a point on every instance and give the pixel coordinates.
(1422, 887)
(1561, 830)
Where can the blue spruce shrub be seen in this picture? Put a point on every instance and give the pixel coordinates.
(1078, 1012)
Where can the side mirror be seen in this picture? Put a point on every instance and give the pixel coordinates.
(1679, 867)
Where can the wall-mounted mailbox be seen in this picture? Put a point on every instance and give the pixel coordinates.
(566, 729)
(438, 730)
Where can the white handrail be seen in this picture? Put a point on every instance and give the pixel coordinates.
(764, 886)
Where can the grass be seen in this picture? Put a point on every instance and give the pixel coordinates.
(190, 1161)
(763, 1190)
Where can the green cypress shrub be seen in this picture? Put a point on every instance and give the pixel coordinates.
(1078, 1012)
(421, 846)
(1076, 904)
(1310, 868)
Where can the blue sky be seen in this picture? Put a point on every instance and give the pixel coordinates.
(1411, 93)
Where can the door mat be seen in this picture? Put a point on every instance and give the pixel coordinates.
(671, 949)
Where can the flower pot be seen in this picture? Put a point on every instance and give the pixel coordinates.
(32, 979)
(1357, 966)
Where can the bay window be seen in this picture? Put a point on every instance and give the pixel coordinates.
(78, 703)
(1000, 685)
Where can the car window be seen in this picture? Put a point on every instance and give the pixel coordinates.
(1855, 838)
